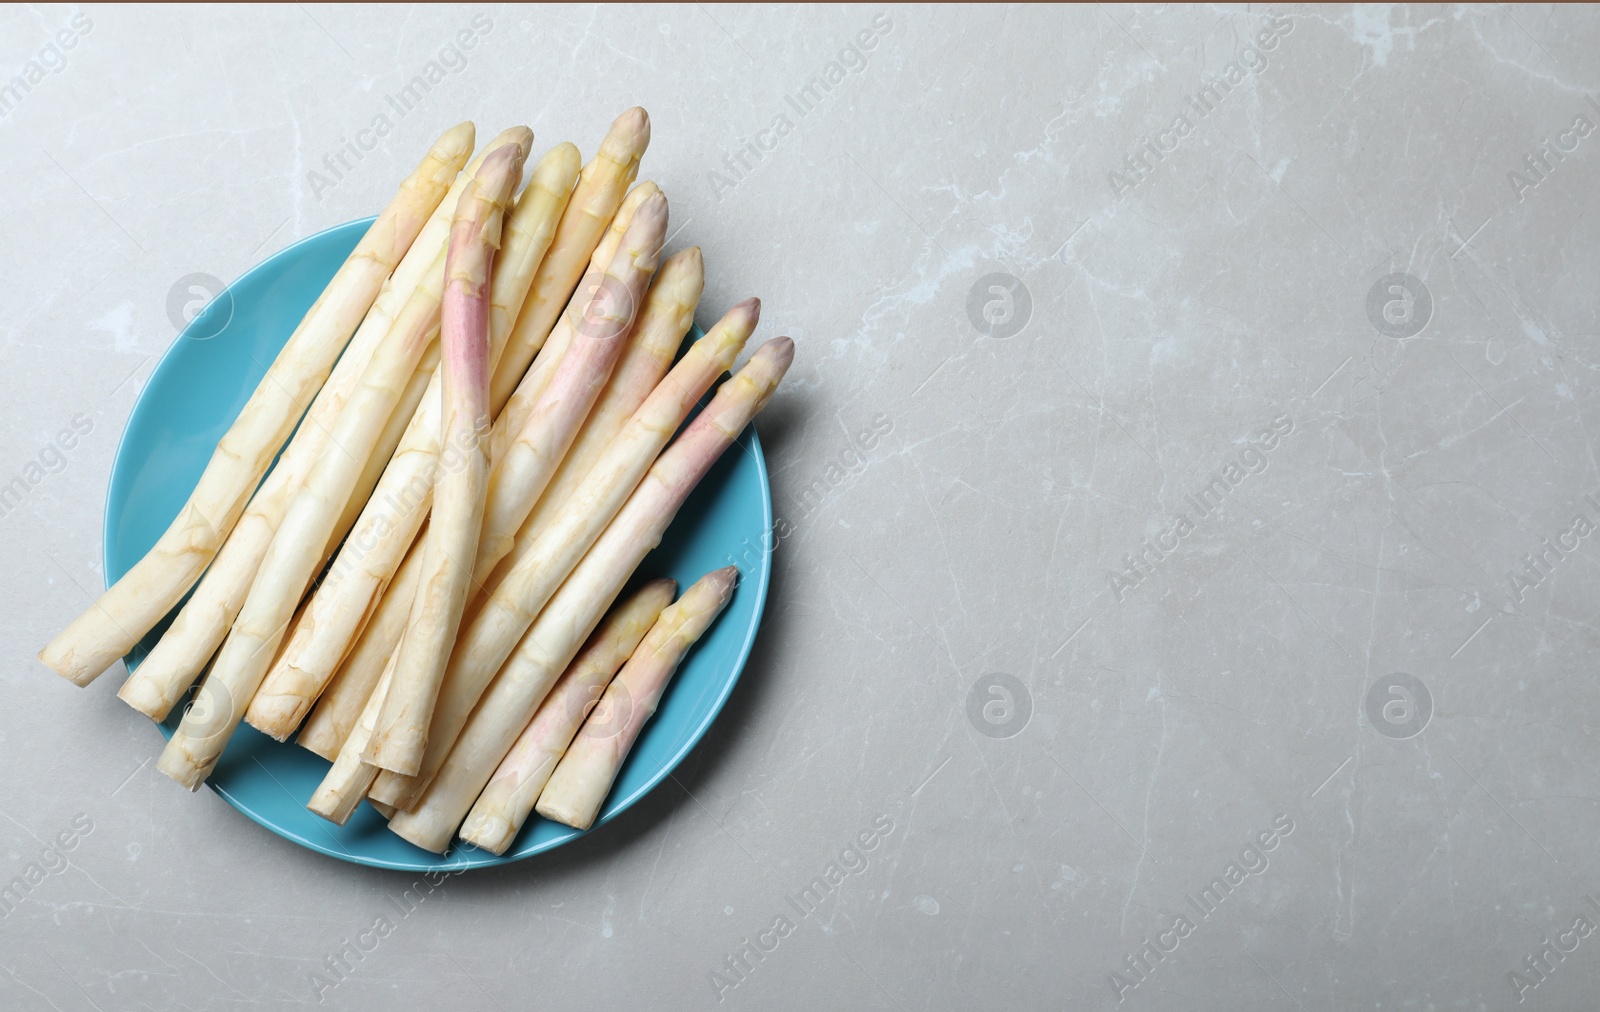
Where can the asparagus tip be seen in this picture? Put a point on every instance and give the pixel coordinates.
(779, 351)
(520, 135)
(661, 585)
(632, 128)
(564, 156)
(723, 580)
(652, 213)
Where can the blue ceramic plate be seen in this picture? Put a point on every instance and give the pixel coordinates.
(194, 395)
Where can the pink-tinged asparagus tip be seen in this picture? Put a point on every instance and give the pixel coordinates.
(722, 580)
(688, 259)
(747, 312)
(652, 214)
(776, 356)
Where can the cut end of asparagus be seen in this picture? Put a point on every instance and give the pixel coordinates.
(399, 750)
(322, 745)
(566, 814)
(147, 698)
(180, 764)
(334, 804)
(395, 789)
(276, 716)
(493, 833)
(429, 833)
(64, 664)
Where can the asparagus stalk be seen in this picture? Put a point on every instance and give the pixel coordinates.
(402, 726)
(340, 705)
(584, 776)
(348, 778)
(498, 624)
(515, 786)
(207, 616)
(399, 504)
(132, 606)
(388, 441)
(668, 315)
(593, 205)
(310, 661)
(573, 612)
(292, 558)
(510, 418)
(523, 472)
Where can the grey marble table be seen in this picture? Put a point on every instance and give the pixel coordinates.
(1186, 596)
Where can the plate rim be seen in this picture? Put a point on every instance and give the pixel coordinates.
(461, 856)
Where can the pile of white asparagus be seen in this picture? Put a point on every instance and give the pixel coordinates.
(482, 406)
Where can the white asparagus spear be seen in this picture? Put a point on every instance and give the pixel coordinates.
(292, 558)
(668, 315)
(131, 607)
(398, 505)
(510, 795)
(348, 778)
(388, 441)
(594, 203)
(498, 624)
(382, 548)
(573, 612)
(206, 617)
(529, 462)
(584, 776)
(340, 705)
(397, 741)
(510, 418)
